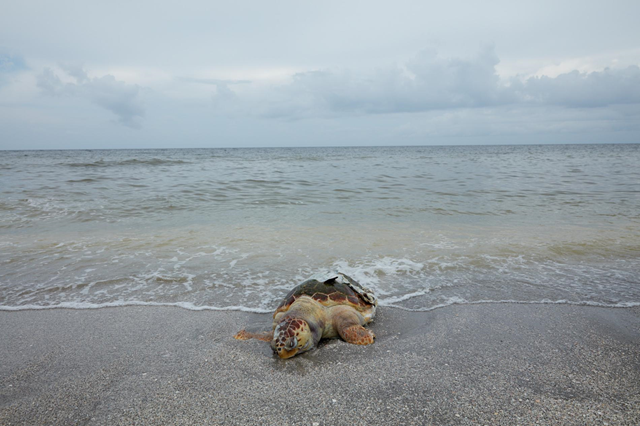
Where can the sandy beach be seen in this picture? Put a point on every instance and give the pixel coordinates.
(474, 364)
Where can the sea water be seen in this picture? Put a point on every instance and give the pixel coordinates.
(236, 229)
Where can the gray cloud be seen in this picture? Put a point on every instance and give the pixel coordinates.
(224, 98)
(430, 83)
(425, 83)
(116, 96)
(214, 81)
(583, 90)
(76, 71)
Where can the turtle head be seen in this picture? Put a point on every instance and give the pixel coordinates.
(292, 336)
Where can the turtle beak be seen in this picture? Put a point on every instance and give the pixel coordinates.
(290, 348)
(285, 354)
(286, 350)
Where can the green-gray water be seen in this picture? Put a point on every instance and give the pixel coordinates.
(237, 228)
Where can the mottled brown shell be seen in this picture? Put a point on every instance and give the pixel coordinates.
(331, 289)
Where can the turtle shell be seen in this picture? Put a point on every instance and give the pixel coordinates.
(332, 289)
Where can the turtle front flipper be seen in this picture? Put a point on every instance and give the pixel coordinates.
(348, 324)
(265, 336)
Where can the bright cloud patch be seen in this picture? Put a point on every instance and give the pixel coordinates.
(116, 96)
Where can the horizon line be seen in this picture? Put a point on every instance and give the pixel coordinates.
(323, 146)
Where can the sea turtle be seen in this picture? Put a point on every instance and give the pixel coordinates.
(324, 306)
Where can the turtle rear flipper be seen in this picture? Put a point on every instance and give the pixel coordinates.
(348, 324)
(357, 335)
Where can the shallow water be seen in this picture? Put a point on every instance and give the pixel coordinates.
(237, 228)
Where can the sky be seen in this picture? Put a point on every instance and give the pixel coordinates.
(157, 74)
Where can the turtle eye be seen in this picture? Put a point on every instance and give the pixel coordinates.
(292, 343)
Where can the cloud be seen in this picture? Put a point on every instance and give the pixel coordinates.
(214, 81)
(76, 71)
(583, 90)
(224, 98)
(116, 96)
(429, 82)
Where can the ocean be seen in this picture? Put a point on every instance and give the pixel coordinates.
(236, 229)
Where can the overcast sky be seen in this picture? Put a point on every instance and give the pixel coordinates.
(149, 74)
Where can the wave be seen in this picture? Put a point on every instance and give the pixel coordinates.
(87, 180)
(368, 271)
(129, 162)
(457, 301)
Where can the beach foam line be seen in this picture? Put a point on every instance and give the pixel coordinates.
(389, 301)
(191, 307)
(184, 305)
(458, 301)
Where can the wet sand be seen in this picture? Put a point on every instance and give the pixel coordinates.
(477, 364)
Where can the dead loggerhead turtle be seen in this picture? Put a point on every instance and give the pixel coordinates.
(324, 306)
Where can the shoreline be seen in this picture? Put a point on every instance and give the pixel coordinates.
(462, 364)
(73, 306)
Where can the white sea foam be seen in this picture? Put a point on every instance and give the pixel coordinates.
(389, 301)
(190, 306)
(459, 301)
(369, 272)
(85, 305)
